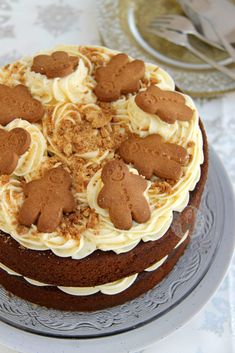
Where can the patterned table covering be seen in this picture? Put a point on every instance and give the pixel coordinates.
(28, 26)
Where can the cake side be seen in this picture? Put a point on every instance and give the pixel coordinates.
(52, 297)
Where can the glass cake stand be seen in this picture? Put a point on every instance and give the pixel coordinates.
(140, 322)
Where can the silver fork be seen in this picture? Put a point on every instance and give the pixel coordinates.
(182, 39)
(229, 48)
(181, 24)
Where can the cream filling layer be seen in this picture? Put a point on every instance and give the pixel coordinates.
(111, 288)
(106, 237)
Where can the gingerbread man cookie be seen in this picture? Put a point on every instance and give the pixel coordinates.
(168, 105)
(122, 195)
(46, 200)
(151, 155)
(17, 102)
(12, 145)
(118, 77)
(58, 64)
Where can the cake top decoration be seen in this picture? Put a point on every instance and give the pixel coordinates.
(58, 64)
(122, 195)
(46, 200)
(151, 155)
(17, 102)
(168, 105)
(81, 133)
(119, 76)
(13, 144)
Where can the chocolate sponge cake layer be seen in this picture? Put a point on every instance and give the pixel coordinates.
(52, 297)
(101, 267)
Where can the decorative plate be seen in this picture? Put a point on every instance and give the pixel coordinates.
(122, 25)
(148, 318)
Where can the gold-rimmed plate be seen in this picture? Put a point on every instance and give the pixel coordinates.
(122, 25)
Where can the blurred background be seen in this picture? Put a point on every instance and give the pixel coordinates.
(196, 50)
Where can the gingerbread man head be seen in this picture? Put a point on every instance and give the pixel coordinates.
(114, 171)
(58, 178)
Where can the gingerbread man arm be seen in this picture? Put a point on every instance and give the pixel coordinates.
(169, 115)
(31, 208)
(31, 186)
(167, 170)
(29, 212)
(8, 162)
(141, 211)
(68, 203)
(140, 182)
(131, 75)
(143, 168)
(115, 64)
(49, 218)
(121, 217)
(21, 90)
(177, 153)
(103, 199)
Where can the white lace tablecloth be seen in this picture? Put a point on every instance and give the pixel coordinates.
(27, 26)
